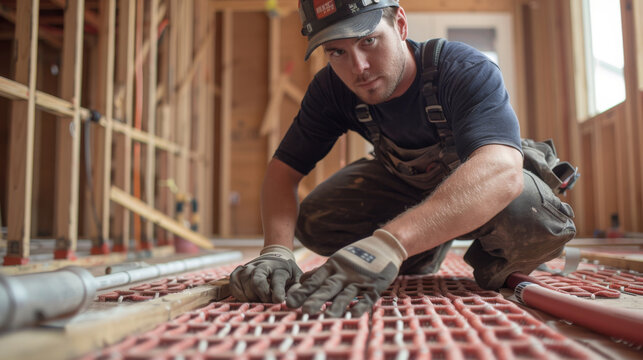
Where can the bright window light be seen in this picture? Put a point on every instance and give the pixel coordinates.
(603, 54)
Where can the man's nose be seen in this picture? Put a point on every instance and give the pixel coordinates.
(359, 62)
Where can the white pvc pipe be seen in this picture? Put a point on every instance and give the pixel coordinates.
(173, 267)
(32, 298)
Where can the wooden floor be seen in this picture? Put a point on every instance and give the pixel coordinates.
(105, 323)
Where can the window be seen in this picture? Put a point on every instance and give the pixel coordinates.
(603, 54)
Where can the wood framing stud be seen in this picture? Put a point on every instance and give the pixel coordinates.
(22, 136)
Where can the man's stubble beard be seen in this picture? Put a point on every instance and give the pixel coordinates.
(389, 91)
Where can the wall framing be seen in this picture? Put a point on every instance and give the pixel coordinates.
(106, 106)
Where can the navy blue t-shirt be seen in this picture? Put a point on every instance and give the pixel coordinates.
(471, 92)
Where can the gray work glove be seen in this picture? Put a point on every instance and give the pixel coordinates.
(267, 277)
(364, 268)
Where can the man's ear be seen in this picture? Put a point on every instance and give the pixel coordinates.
(401, 24)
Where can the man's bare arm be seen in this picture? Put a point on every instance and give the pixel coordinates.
(478, 190)
(279, 205)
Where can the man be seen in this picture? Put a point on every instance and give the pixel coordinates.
(397, 213)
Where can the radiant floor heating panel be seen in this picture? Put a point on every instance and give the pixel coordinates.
(442, 316)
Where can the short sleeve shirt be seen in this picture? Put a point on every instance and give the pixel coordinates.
(471, 92)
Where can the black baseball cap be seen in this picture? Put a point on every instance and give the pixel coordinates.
(326, 20)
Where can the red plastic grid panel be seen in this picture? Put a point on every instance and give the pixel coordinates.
(591, 280)
(418, 317)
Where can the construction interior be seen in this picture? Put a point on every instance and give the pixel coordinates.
(134, 137)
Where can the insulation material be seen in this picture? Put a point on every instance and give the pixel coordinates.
(419, 317)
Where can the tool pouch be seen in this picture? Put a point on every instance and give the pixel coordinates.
(422, 168)
(541, 159)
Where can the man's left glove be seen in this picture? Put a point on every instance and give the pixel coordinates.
(365, 268)
(267, 277)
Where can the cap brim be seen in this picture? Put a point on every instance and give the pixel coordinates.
(353, 27)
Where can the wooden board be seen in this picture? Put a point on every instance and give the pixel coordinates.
(22, 133)
(158, 218)
(94, 330)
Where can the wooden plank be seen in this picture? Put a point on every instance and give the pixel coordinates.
(459, 6)
(91, 193)
(68, 184)
(204, 35)
(138, 114)
(631, 142)
(22, 136)
(44, 33)
(85, 261)
(64, 139)
(75, 155)
(638, 23)
(163, 95)
(63, 136)
(158, 218)
(624, 262)
(150, 167)
(207, 196)
(119, 104)
(94, 330)
(286, 6)
(109, 107)
(185, 96)
(171, 111)
(226, 118)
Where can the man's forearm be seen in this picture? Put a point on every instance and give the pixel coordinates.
(478, 190)
(279, 217)
(279, 205)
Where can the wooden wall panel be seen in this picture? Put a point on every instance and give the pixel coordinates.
(588, 214)
(45, 150)
(5, 130)
(250, 98)
(609, 183)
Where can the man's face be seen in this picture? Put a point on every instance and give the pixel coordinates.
(372, 66)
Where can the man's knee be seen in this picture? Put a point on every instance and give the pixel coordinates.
(319, 231)
(533, 229)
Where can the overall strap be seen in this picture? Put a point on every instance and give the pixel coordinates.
(363, 115)
(430, 77)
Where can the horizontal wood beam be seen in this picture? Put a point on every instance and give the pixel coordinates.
(43, 32)
(286, 6)
(16, 91)
(154, 216)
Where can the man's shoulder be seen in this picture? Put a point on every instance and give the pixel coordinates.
(452, 53)
(455, 51)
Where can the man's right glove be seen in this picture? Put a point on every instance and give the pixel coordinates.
(364, 268)
(267, 277)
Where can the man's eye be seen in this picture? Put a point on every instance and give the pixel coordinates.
(369, 40)
(337, 52)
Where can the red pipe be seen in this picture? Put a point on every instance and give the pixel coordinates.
(615, 322)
